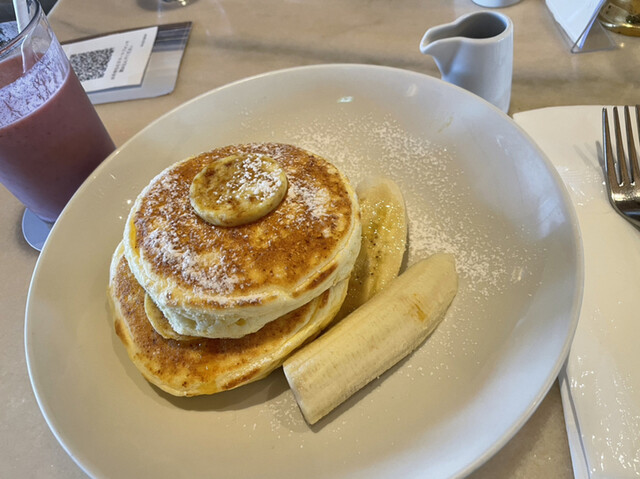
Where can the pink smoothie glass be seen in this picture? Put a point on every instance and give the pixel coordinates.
(51, 137)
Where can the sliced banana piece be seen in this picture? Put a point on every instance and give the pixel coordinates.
(238, 189)
(384, 240)
(373, 338)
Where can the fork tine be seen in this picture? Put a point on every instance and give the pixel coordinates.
(609, 162)
(622, 163)
(635, 166)
(624, 195)
(631, 149)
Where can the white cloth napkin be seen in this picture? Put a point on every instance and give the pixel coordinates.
(600, 383)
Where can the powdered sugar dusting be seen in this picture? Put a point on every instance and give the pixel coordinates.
(253, 177)
(219, 276)
(433, 186)
(443, 213)
(315, 200)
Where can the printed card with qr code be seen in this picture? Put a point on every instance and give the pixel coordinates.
(112, 61)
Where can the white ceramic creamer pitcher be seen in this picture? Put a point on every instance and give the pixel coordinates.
(475, 52)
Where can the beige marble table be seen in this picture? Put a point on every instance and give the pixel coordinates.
(232, 39)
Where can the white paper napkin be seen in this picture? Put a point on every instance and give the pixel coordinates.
(600, 383)
(575, 16)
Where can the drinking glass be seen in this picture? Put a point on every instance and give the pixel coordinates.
(621, 16)
(51, 137)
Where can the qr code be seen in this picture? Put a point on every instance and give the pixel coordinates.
(91, 65)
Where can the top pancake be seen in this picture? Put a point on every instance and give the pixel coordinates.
(217, 281)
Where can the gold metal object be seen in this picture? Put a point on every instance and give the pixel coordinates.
(621, 16)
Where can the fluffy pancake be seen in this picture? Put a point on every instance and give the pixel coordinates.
(215, 281)
(202, 365)
(159, 321)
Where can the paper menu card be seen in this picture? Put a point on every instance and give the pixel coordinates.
(111, 61)
(129, 65)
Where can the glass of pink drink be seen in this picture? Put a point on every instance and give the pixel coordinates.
(51, 137)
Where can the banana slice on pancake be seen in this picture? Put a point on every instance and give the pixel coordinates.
(384, 240)
(238, 189)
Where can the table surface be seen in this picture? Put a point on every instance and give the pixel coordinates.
(233, 39)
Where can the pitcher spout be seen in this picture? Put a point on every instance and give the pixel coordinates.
(436, 34)
(438, 44)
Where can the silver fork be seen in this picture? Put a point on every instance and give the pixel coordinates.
(622, 172)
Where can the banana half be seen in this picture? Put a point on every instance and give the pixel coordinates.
(384, 241)
(373, 338)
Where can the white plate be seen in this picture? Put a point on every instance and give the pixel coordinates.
(475, 185)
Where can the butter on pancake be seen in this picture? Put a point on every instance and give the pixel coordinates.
(207, 366)
(237, 189)
(216, 281)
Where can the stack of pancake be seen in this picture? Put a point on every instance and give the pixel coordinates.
(203, 306)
